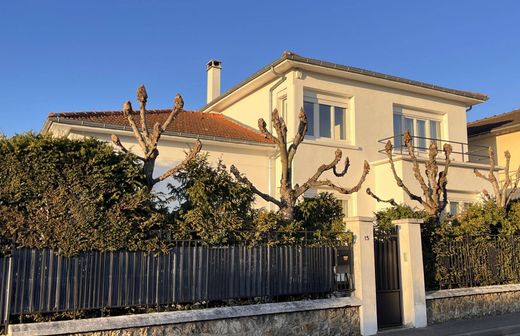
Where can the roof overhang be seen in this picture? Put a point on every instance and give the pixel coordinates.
(290, 62)
(167, 135)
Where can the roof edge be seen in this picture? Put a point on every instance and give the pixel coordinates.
(287, 55)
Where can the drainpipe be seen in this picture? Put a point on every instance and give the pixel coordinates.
(272, 162)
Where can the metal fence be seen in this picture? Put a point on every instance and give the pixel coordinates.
(45, 282)
(477, 261)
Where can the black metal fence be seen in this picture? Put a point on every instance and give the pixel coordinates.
(44, 282)
(477, 261)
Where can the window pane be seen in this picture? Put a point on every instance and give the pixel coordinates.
(344, 206)
(284, 109)
(421, 133)
(454, 208)
(435, 131)
(339, 123)
(308, 107)
(398, 130)
(408, 126)
(324, 121)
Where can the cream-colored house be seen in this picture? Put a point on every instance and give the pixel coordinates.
(500, 132)
(348, 108)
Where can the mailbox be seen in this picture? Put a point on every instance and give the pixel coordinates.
(343, 259)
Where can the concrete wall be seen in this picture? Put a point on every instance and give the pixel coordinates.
(464, 303)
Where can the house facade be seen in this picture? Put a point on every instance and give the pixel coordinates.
(348, 108)
(500, 132)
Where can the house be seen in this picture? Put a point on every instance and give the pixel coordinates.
(349, 108)
(500, 132)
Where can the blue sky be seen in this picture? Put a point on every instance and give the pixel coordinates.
(92, 55)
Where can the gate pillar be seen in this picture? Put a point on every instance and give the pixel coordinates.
(364, 271)
(412, 272)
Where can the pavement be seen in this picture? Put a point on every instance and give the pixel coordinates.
(507, 324)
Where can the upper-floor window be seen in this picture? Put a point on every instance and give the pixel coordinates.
(424, 129)
(326, 119)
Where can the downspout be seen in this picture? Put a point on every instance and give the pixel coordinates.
(272, 158)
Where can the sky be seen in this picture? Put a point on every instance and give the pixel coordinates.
(58, 56)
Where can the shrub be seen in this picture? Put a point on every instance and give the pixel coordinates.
(74, 195)
(214, 207)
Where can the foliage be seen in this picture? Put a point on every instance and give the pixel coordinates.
(73, 195)
(217, 208)
(214, 206)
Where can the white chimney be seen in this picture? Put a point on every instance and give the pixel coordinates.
(214, 68)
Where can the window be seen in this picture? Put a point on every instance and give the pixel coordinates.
(283, 108)
(344, 206)
(458, 207)
(422, 129)
(326, 120)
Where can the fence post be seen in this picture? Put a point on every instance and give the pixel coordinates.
(364, 272)
(412, 272)
(8, 289)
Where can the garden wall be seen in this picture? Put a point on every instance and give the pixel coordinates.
(464, 303)
(338, 316)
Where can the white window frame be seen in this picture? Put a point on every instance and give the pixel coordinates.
(318, 98)
(422, 116)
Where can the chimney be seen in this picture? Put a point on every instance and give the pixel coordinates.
(214, 68)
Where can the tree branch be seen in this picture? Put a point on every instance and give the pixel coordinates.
(142, 96)
(313, 180)
(241, 178)
(391, 200)
(193, 152)
(388, 149)
(299, 136)
(127, 112)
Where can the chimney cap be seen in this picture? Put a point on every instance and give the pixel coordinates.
(214, 64)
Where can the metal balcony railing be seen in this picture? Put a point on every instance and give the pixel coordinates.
(461, 151)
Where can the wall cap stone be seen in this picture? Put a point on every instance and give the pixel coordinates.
(360, 219)
(167, 318)
(408, 221)
(447, 293)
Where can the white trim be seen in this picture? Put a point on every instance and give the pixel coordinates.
(449, 293)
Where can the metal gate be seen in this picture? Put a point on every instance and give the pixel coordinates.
(388, 284)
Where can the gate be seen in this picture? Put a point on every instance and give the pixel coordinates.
(388, 284)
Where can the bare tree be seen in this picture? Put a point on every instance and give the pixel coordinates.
(503, 190)
(148, 141)
(434, 186)
(289, 194)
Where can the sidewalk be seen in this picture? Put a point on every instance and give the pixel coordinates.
(508, 324)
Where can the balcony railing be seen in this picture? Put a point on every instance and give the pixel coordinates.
(461, 151)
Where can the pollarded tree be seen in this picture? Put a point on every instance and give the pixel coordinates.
(434, 186)
(148, 141)
(503, 191)
(289, 194)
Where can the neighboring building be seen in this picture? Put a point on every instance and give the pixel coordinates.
(348, 108)
(500, 132)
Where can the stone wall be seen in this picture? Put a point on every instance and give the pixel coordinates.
(338, 321)
(464, 303)
(314, 317)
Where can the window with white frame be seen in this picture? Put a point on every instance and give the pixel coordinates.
(327, 118)
(458, 207)
(282, 107)
(422, 128)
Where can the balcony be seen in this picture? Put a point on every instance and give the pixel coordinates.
(462, 152)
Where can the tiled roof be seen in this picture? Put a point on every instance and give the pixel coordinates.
(187, 123)
(498, 122)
